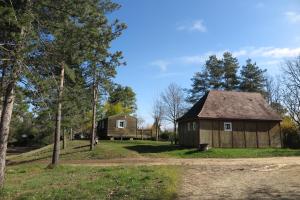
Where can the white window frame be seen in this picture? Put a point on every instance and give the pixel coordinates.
(225, 126)
(194, 126)
(119, 123)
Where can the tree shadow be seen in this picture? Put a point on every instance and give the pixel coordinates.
(270, 193)
(154, 148)
(79, 147)
(13, 163)
(194, 151)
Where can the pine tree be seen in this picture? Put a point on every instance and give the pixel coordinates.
(252, 78)
(231, 66)
(215, 71)
(200, 85)
(100, 65)
(16, 24)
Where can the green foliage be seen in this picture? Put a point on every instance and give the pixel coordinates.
(215, 71)
(114, 109)
(231, 67)
(290, 133)
(252, 78)
(67, 182)
(200, 85)
(222, 74)
(73, 34)
(121, 100)
(166, 135)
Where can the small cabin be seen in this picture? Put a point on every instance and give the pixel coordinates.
(117, 126)
(230, 119)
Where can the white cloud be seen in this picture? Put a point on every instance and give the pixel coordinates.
(273, 52)
(162, 64)
(293, 17)
(197, 25)
(252, 52)
(271, 62)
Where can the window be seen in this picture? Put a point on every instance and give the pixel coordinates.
(121, 123)
(227, 126)
(194, 126)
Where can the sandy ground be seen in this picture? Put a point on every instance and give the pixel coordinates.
(247, 178)
(242, 180)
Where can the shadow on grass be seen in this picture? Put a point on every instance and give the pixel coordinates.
(195, 151)
(154, 148)
(13, 163)
(79, 147)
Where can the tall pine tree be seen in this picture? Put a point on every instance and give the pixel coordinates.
(200, 85)
(215, 71)
(252, 78)
(231, 66)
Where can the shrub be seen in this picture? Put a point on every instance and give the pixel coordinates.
(290, 133)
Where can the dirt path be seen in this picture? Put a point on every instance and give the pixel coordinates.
(248, 178)
(251, 178)
(186, 162)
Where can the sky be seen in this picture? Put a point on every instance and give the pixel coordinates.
(167, 41)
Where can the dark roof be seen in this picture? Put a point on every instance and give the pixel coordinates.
(117, 115)
(232, 105)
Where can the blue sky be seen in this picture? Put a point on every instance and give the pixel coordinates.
(168, 40)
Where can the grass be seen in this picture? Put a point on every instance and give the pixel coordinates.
(34, 181)
(79, 150)
(28, 180)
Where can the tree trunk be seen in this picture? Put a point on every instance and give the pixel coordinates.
(175, 132)
(71, 134)
(64, 139)
(56, 148)
(6, 114)
(93, 134)
(156, 129)
(2, 90)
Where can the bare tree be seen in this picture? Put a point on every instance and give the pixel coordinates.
(140, 122)
(158, 113)
(173, 100)
(273, 93)
(291, 92)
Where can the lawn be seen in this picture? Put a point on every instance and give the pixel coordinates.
(35, 181)
(79, 150)
(26, 179)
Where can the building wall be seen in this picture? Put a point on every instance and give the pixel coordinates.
(250, 134)
(111, 130)
(188, 137)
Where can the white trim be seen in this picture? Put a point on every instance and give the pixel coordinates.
(226, 128)
(121, 124)
(194, 126)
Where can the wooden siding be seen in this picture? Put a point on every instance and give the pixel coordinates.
(111, 130)
(188, 137)
(238, 134)
(250, 134)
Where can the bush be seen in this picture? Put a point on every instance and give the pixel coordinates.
(166, 135)
(290, 131)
